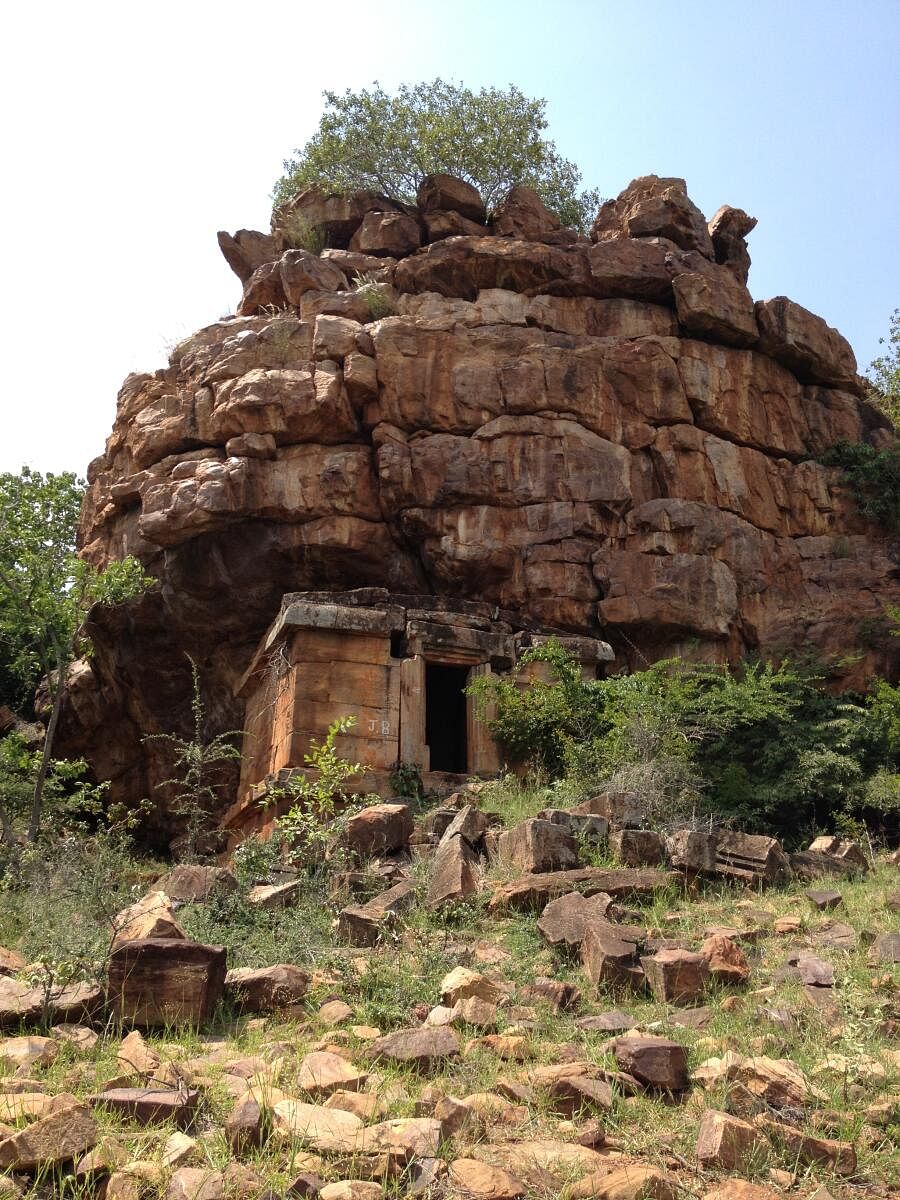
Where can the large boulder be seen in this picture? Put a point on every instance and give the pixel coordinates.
(654, 207)
(441, 191)
(805, 344)
(161, 981)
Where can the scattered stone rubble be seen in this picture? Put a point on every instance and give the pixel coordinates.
(334, 1105)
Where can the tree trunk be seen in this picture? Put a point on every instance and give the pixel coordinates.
(37, 802)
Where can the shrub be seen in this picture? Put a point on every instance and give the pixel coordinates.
(765, 747)
(873, 478)
(378, 296)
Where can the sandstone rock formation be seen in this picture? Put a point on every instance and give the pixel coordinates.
(608, 437)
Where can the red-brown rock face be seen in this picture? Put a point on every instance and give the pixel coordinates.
(608, 437)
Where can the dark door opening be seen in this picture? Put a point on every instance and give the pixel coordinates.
(445, 717)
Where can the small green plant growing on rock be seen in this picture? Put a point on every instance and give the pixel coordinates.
(872, 477)
(298, 234)
(376, 295)
(198, 763)
(321, 805)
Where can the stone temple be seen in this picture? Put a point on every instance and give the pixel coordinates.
(448, 435)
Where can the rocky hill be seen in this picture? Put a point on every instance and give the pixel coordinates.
(605, 435)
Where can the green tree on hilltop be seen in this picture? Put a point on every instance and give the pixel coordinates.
(45, 593)
(494, 139)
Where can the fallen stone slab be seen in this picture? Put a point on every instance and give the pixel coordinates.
(25, 1053)
(885, 950)
(676, 976)
(536, 846)
(364, 924)
(422, 1048)
(751, 858)
(403, 1138)
(275, 895)
(609, 955)
(50, 1141)
(656, 1062)
(21, 1004)
(160, 982)
(725, 1141)
(190, 883)
(560, 994)
(454, 874)
(153, 916)
(151, 1105)
(379, 829)
(535, 891)
(638, 847)
(614, 1021)
(323, 1072)
(631, 1182)
(266, 989)
(810, 865)
(842, 849)
(836, 934)
(565, 920)
(621, 810)
(470, 1177)
(326, 1130)
(726, 961)
(573, 1095)
(462, 983)
(839, 1157)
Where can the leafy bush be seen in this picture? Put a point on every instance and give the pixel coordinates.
(494, 138)
(376, 295)
(884, 373)
(765, 747)
(873, 477)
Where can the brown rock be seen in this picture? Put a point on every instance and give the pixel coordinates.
(564, 922)
(150, 1105)
(535, 891)
(266, 989)
(50, 1141)
(465, 265)
(823, 900)
(136, 1057)
(814, 351)
(522, 214)
(654, 207)
(560, 994)
(440, 225)
(751, 858)
(636, 270)
(885, 949)
(157, 981)
(839, 1157)
(336, 216)
(386, 234)
(24, 1053)
(454, 873)
(326, 1130)
(245, 1126)
(726, 961)
(379, 829)
(153, 916)
(728, 228)
(654, 1061)
(322, 1073)
(537, 846)
(724, 1141)
(363, 924)
(275, 895)
(422, 1048)
(246, 250)
(573, 1095)
(740, 1189)
(263, 291)
(190, 882)
(676, 976)
(483, 1182)
(300, 272)
(638, 847)
(447, 192)
(610, 957)
(777, 1083)
(715, 307)
(631, 1182)
(11, 963)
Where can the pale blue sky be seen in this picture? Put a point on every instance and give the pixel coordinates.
(133, 132)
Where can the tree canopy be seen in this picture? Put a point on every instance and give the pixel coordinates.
(494, 139)
(884, 372)
(46, 590)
